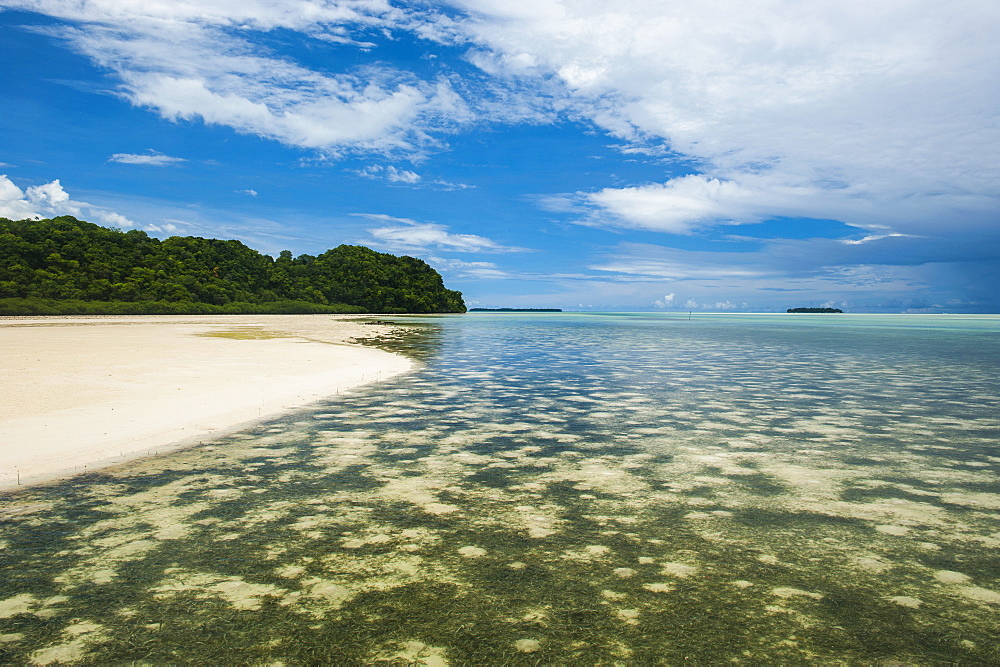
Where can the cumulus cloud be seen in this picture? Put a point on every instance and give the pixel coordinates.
(50, 200)
(14, 203)
(249, 192)
(882, 115)
(151, 159)
(412, 236)
(112, 219)
(37, 201)
(666, 302)
(878, 115)
(677, 206)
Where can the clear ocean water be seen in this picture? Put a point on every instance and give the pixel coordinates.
(556, 488)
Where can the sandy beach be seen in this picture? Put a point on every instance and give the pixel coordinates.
(80, 393)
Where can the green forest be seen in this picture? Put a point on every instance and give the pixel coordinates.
(67, 266)
(814, 310)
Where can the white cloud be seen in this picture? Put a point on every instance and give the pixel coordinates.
(875, 114)
(197, 61)
(382, 217)
(37, 201)
(378, 112)
(473, 270)
(875, 272)
(51, 196)
(165, 228)
(51, 200)
(429, 235)
(666, 302)
(323, 17)
(249, 192)
(396, 175)
(650, 262)
(882, 115)
(718, 305)
(151, 158)
(13, 202)
(413, 236)
(676, 206)
(873, 237)
(112, 219)
(390, 174)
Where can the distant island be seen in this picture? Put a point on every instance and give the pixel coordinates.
(515, 310)
(65, 266)
(814, 310)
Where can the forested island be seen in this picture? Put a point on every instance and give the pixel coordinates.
(814, 310)
(515, 310)
(67, 266)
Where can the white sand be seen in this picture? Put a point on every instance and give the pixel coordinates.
(78, 393)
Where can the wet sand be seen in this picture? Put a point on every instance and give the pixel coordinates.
(80, 393)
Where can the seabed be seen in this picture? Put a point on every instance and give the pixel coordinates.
(583, 497)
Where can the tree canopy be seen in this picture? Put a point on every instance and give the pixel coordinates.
(814, 310)
(63, 261)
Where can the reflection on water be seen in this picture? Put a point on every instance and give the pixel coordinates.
(561, 488)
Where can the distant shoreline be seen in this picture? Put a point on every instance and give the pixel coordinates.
(515, 310)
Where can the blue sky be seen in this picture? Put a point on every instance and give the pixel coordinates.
(740, 155)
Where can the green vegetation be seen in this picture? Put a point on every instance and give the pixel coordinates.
(515, 310)
(814, 310)
(66, 266)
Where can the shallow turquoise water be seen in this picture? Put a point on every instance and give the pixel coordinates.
(557, 488)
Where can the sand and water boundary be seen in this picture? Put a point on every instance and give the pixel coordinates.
(80, 393)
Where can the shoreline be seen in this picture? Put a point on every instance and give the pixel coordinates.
(81, 393)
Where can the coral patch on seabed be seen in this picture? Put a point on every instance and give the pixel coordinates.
(582, 494)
